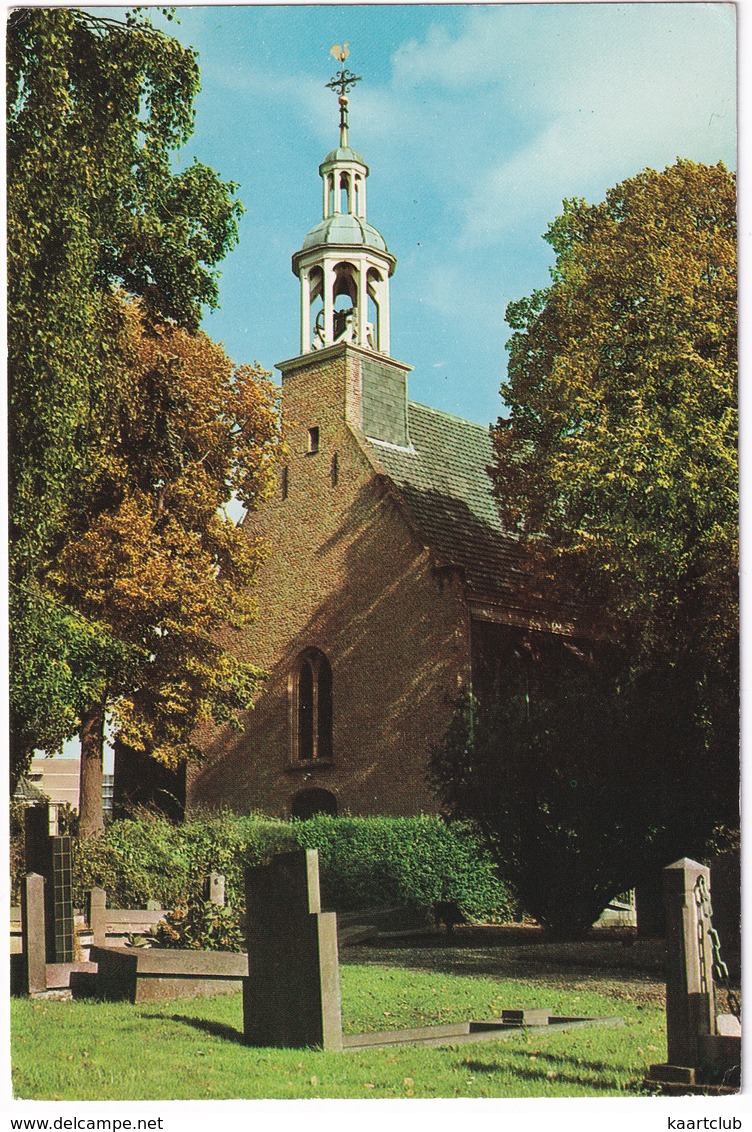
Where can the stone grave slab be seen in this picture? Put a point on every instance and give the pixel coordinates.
(145, 974)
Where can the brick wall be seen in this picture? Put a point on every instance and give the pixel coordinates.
(344, 575)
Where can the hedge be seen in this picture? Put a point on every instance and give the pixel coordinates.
(364, 862)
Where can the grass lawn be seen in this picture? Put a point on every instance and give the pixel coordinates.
(192, 1049)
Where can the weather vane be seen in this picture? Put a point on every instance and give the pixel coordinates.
(342, 83)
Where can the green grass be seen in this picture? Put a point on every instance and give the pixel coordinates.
(191, 1049)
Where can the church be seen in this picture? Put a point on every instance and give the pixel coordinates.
(389, 588)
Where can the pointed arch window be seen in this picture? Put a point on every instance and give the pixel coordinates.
(312, 708)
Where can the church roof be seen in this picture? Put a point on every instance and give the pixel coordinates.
(343, 153)
(443, 482)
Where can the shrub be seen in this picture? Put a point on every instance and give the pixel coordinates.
(364, 862)
(200, 925)
(16, 848)
(149, 857)
(371, 862)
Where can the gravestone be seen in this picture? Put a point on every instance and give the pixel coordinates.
(690, 997)
(291, 997)
(697, 1048)
(96, 915)
(214, 888)
(38, 860)
(62, 893)
(49, 855)
(33, 934)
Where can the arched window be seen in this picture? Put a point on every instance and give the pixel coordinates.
(312, 707)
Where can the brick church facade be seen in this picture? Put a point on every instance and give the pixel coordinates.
(389, 586)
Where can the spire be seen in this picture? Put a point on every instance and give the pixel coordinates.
(344, 265)
(342, 82)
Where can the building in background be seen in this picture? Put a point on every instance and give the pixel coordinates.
(56, 778)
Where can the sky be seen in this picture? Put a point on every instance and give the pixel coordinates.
(476, 122)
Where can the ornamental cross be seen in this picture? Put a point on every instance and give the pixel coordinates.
(342, 83)
(345, 79)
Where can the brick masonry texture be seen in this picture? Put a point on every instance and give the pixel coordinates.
(346, 574)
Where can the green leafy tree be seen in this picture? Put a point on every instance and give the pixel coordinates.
(617, 462)
(152, 557)
(617, 467)
(96, 109)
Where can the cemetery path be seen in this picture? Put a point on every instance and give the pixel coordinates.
(622, 967)
(617, 964)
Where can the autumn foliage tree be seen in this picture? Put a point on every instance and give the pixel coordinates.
(617, 468)
(96, 108)
(151, 556)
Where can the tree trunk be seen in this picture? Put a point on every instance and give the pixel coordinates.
(90, 813)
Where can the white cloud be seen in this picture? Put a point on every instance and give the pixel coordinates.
(597, 91)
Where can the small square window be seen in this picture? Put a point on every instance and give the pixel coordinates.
(313, 439)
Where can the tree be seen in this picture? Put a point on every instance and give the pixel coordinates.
(96, 108)
(152, 557)
(583, 782)
(617, 463)
(617, 468)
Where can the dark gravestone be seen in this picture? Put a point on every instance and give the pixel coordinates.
(291, 997)
(38, 859)
(650, 908)
(50, 856)
(62, 893)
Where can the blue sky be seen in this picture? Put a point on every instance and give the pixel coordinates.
(476, 121)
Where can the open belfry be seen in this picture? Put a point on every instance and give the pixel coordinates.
(389, 587)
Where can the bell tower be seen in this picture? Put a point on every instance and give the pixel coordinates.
(344, 265)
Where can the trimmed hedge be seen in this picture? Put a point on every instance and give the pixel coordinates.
(373, 862)
(365, 862)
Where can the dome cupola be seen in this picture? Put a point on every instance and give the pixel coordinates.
(344, 265)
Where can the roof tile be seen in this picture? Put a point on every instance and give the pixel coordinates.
(444, 483)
